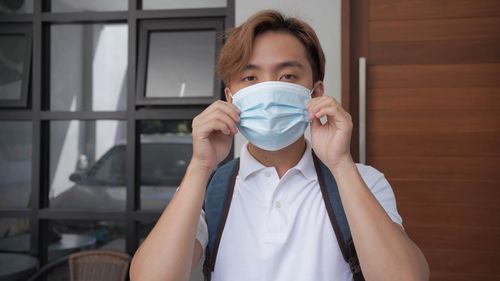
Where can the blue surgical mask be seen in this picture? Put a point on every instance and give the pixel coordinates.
(273, 114)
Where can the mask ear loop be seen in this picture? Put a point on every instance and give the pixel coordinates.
(310, 96)
(306, 102)
(231, 94)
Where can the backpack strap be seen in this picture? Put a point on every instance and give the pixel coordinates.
(217, 202)
(337, 216)
(220, 189)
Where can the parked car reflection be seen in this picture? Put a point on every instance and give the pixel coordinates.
(163, 162)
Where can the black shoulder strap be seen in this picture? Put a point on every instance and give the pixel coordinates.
(337, 216)
(217, 202)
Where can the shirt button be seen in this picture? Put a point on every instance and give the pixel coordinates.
(268, 174)
(277, 204)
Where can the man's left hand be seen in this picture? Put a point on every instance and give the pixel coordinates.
(331, 140)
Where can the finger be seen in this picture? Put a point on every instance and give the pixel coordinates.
(222, 117)
(312, 102)
(319, 103)
(310, 106)
(229, 109)
(329, 102)
(333, 114)
(212, 126)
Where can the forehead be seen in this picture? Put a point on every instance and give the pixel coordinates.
(274, 47)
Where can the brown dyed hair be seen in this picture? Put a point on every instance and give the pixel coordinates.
(237, 50)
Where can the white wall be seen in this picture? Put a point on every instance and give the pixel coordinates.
(323, 16)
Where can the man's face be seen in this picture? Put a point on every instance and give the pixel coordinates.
(277, 56)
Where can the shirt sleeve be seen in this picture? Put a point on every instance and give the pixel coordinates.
(382, 190)
(202, 233)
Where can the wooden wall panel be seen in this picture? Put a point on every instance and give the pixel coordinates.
(431, 9)
(435, 52)
(435, 144)
(434, 76)
(447, 276)
(463, 262)
(473, 121)
(434, 122)
(438, 168)
(423, 213)
(454, 237)
(463, 192)
(427, 100)
(433, 125)
(434, 30)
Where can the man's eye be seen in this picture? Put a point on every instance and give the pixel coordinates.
(248, 78)
(288, 77)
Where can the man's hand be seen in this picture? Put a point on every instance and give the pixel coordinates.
(330, 141)
(213, 131)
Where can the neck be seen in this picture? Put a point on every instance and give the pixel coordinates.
(282, 159)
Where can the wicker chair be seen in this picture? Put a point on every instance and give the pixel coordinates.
(98, 265)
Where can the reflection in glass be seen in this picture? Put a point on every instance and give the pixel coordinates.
(88, 67)
(184, 4)
(166, 149)
(88, 5)
(87, 165)
(14, 235)
(12, 59)
(181, 64)
(15, 164)
(66, 237)
(16, 6)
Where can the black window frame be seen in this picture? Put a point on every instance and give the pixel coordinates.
(24, 30)
(146, 27)
(39, 114)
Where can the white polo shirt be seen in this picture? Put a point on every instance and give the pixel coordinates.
(279, 230)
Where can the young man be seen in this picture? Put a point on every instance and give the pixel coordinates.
(277, 227)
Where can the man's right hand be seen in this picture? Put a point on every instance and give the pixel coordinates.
(171, 250)
(213, 131)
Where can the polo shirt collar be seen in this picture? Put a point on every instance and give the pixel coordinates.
(249, 165)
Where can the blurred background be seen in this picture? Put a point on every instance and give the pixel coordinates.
(97, 99)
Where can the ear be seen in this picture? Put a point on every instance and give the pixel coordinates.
(229, 97)
(319, 89)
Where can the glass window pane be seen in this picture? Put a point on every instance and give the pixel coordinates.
(12, 59)
(181, 64)
(15, 164)
(14, 235)
(87, 165)
(16, 6)
(166, 150)
(88, 5)
(182, 4)
(69, 236)
(88, 67)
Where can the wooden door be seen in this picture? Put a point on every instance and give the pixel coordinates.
(433, 122)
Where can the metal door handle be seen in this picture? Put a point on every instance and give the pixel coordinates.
(362, 110)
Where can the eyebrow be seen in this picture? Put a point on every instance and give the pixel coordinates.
(290, 63)
(250, 67)
(281, 65)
